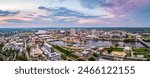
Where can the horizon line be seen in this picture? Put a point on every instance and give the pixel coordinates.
(83, 27)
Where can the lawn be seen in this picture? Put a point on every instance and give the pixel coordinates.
(66, 52)
(141, 51)
(74, 56)
(117, 49)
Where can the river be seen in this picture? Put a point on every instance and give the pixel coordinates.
(103, 43)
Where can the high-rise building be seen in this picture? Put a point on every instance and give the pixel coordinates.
(48, 47)
(94, 33)
(72, 32)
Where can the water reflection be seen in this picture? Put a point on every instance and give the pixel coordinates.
(102, 43)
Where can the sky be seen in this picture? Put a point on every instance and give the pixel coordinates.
(74, 13)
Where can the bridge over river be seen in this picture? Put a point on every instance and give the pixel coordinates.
(144, 43)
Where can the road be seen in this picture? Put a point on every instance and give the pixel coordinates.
(5, 46)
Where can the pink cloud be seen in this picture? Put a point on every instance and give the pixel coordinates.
(121, 7)
(3, 22)
(23, 16)
(92, 21)
(87, 21)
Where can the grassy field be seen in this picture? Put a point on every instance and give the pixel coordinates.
(115, 49)
(66, 52)
(141, 51)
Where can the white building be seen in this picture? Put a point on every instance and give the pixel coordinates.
(85, 53)
(54, 56)
(48, 47)
(138, 36)
(127, 49)
(2, 39)
(15, 45)
(72, 32)
(94, 33)
(41, 32)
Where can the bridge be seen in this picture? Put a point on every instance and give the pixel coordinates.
(144, 43)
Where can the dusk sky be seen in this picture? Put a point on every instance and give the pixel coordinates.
(74, 13)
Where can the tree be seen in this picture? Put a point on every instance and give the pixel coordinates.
(117, 45)
(21, 58)
(1, 46)
(148, 59)
(80, 59)
(1, 57)
(63, 57)
(147, 56)
(28, 49)
(95, 55)
(91, 59)
(110, 50)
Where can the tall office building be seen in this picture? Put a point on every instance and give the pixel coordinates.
(72, 32)
(94, 33)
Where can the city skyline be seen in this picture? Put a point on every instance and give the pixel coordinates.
(70, 13)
